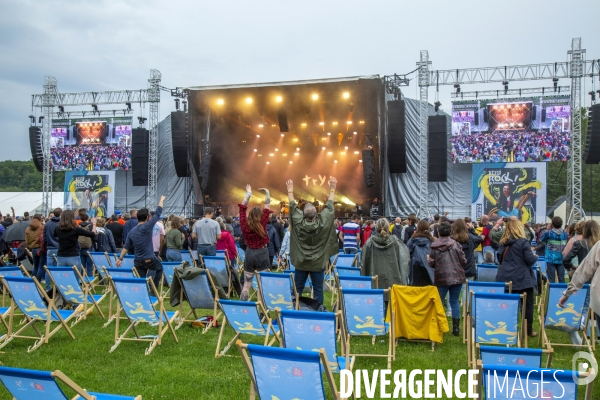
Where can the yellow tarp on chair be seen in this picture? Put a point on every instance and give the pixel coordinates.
(419, 313)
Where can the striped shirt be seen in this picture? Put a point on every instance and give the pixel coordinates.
(350, 231)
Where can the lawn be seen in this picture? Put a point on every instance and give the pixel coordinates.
(188, 369)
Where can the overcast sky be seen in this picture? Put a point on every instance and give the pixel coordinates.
(112, 45)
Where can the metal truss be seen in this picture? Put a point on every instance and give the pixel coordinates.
(513, 92)
(574, 171)
(393, 83)
(48, 103)
(91, 114)
(424, 82)
(512, 73)
(154, 119)
(96, 98)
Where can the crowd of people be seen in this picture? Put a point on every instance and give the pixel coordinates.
(91, 158)
(436, 252)
(511, 146)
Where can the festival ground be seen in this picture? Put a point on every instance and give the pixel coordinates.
(188, 369)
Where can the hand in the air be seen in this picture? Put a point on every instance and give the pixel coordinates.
(265, 190)
(248, 188)
(290, 185)
(332, 182)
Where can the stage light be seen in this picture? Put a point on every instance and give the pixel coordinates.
(361, 122)
(255, 150)
(354, 133)
(343, 153)
(279, 99)
(271, 154)
(356, 152)
(592, 95)
(284, 154)
(437, 105)
(220, 102)
(329, 153)
(345, 147)
(276, 149)
(296, 154)
(321, 123)
(359, 160)
(260, 125)
(322, 148)
(249, 100)
(291, 162)
(346, 95)
(335, 122)
(328, 133)
(257, 135)
(304, 124)
(268, 162)
(282, 135)
(349, 122)
(315, 96)
(323, 138)
(273, 126)
(335, 161)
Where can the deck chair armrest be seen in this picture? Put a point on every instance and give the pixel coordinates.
(75, 387)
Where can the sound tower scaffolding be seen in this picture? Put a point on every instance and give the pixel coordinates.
(574, 69)
(52, 98)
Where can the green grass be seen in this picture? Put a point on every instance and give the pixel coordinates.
(188, 369)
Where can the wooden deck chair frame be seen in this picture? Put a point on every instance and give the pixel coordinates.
(547, 352)
(391, 355)
(589, 319)
(466, 310)
(243, 349)
(229, 272)
(48, 332)
(163, 327)
(341, 336)
(265, 317)
(57, 375)
(217, 313)
(524, 373)
(112, 296)
(293, 291)
(471, 343)
(85, 288)
(3, 270)
(98, 268)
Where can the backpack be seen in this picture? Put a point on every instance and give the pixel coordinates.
(84, 241)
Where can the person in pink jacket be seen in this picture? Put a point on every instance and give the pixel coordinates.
(226, 243)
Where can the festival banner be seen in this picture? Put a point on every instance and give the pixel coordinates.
(510, 189)
(92, 190)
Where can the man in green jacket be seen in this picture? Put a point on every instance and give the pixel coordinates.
(312, 240)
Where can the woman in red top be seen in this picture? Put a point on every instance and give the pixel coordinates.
(254, 231)
(226, 243)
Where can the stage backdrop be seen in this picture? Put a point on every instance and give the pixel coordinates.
(510, 189)
(92, 190)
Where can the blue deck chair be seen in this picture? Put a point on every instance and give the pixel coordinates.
(26, 384)
(100, 260)
(514, 356)
(573, 318)
(169, 270)
(347, 271)
(278, 373)
(494, 319)
(277, 291)
(29, 296)
(200, 293)
(352, 281)
(311, 330)
(187, 256)
(221, 253)
(66, 281)
(365, 314)
(246, 318)
(117, 273)
(345, 260)
(17, 271)
(556, 383)
(487, 272)
(219, 269)
(134, 300)
(481, 287)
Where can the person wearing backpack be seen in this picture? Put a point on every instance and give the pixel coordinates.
(86, 243)
(104, 237)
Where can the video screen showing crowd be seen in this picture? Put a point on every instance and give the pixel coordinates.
(515, 130)
(91, 144)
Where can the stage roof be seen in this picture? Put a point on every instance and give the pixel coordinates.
(285, 83)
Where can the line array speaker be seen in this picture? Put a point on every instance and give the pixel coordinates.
(437, 150)
(198, 210)
(368, 158)
(477, 117)
(205, 170)
(486, 115)
(179, 136)
(396, 129)
(592, 144)
(283, 121)
(534, 113)
(35, 143)
(543, 115)
(140, 145)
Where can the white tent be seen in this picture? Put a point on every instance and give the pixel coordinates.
(27, 201)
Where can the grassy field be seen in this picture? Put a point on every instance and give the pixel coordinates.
(188, 369)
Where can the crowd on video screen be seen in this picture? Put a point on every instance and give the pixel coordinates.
(91, 158)
(511, 146)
